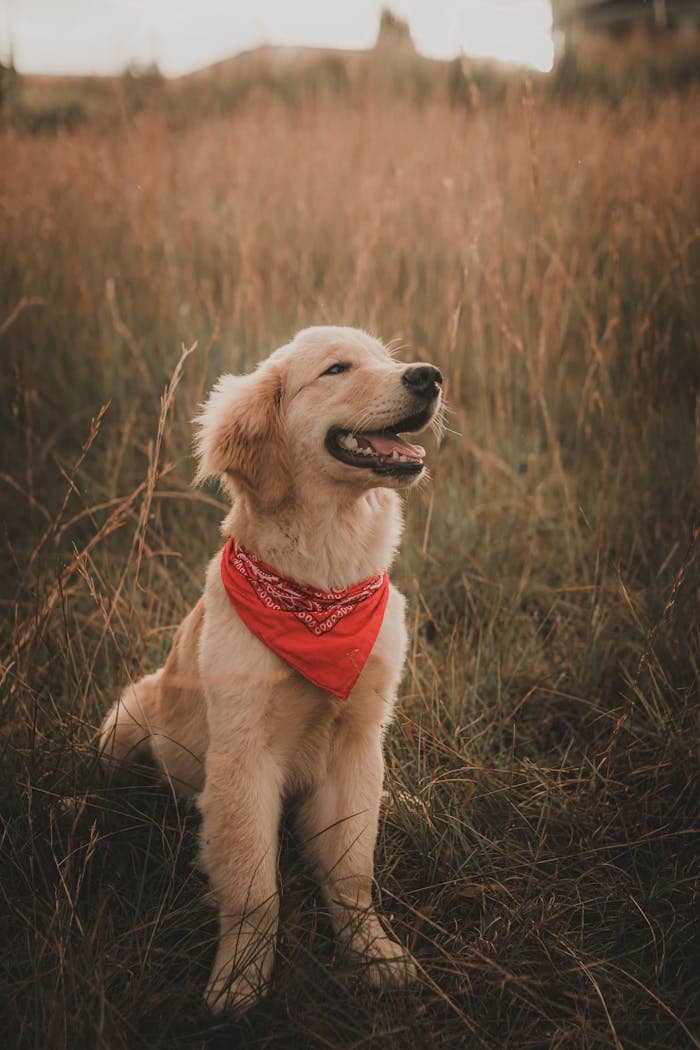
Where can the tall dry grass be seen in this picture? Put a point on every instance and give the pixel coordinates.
(537, 856)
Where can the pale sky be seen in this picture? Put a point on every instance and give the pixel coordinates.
(102, 36)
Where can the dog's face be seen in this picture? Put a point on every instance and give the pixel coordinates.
(329, 407)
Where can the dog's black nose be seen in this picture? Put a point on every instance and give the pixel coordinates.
(423, 381)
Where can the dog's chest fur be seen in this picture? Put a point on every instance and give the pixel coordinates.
(262, 700)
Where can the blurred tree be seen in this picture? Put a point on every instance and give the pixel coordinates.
(9, 86)
(394, 33)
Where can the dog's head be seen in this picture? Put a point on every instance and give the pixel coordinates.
(329, 407)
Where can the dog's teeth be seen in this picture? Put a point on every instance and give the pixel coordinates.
(350, 441)
(395, 455)
(403, 459)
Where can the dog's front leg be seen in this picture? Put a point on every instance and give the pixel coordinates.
(240, 807)
(338, 824)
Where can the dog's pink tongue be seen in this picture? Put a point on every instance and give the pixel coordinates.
(385, 445)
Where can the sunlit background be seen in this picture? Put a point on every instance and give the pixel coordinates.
(104, 36)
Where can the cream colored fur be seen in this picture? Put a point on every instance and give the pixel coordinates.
(230, 723)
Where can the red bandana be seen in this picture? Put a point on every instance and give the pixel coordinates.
(324, 635)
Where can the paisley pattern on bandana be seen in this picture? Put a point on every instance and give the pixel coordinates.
(319, 611)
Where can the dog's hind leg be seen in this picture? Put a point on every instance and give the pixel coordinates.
(125, 735)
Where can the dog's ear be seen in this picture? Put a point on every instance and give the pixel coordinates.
(240, 436)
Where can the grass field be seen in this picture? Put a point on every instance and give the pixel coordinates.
(537, 855)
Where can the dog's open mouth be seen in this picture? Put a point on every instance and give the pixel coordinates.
(382, 451)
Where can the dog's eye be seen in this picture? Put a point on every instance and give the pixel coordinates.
(335, 370)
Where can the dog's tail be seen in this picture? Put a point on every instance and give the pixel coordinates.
(125, 734)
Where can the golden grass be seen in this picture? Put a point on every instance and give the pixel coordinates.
(544, 254)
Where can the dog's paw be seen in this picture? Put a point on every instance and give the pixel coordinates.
(389, 965)
(227, 994)
(234, 987)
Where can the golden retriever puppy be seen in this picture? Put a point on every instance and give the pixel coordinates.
(282, 678)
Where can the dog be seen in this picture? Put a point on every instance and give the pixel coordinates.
(281, 680)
